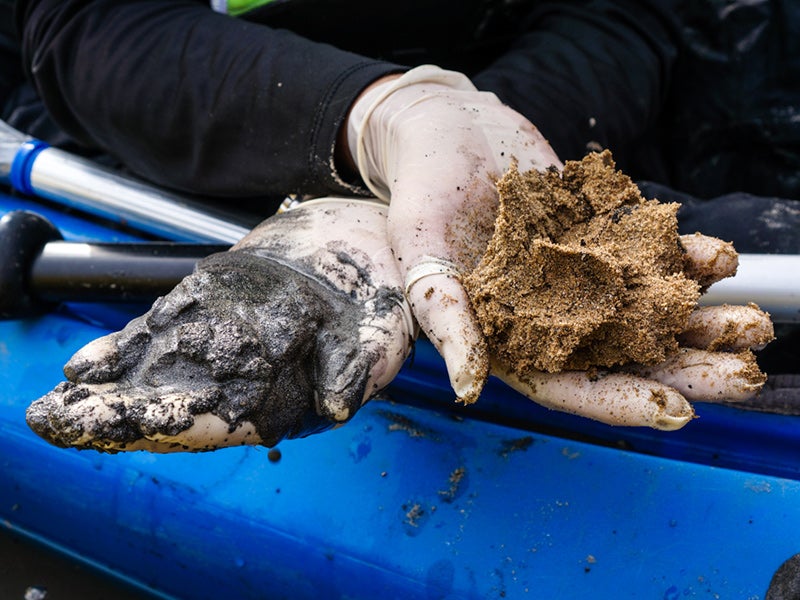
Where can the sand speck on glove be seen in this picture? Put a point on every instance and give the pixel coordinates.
(581, 272)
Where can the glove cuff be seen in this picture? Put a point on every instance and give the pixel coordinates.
(427, 266)
(371, 167)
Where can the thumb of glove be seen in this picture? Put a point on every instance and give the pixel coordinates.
(443, 311)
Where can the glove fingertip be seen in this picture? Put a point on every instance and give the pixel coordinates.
(341, 385)
(465, 357)
(468, 374)
(709, 259)
(618, 399)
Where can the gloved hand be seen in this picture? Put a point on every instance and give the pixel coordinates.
(434, 146)
(286, 334)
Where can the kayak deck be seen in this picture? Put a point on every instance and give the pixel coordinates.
(414, 498)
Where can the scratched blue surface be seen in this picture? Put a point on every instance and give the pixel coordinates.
(403, 502)
(408, 500)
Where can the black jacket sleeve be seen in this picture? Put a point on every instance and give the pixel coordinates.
(191, 99)
(589, 73)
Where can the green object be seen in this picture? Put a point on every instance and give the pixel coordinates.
(238, 7)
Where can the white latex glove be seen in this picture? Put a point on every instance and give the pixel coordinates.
(434, 146)
(286, 334)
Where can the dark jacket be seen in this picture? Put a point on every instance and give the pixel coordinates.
(204, 102)
(699, 95)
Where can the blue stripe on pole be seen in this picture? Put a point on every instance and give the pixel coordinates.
(20, 175)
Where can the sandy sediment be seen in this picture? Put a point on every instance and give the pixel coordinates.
(581, 272)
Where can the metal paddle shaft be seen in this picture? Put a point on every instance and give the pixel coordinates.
(770, 280)
(33, 167)
(82, 184)
(140, 272)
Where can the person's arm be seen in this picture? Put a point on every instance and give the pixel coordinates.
(588, 71)
(191, 99)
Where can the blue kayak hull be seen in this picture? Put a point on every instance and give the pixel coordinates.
(414, 498)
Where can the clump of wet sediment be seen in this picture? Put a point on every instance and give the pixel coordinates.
(581, 272)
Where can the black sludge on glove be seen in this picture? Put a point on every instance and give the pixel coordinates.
(261, 343)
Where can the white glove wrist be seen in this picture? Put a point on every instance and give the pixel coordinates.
(373, 173)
